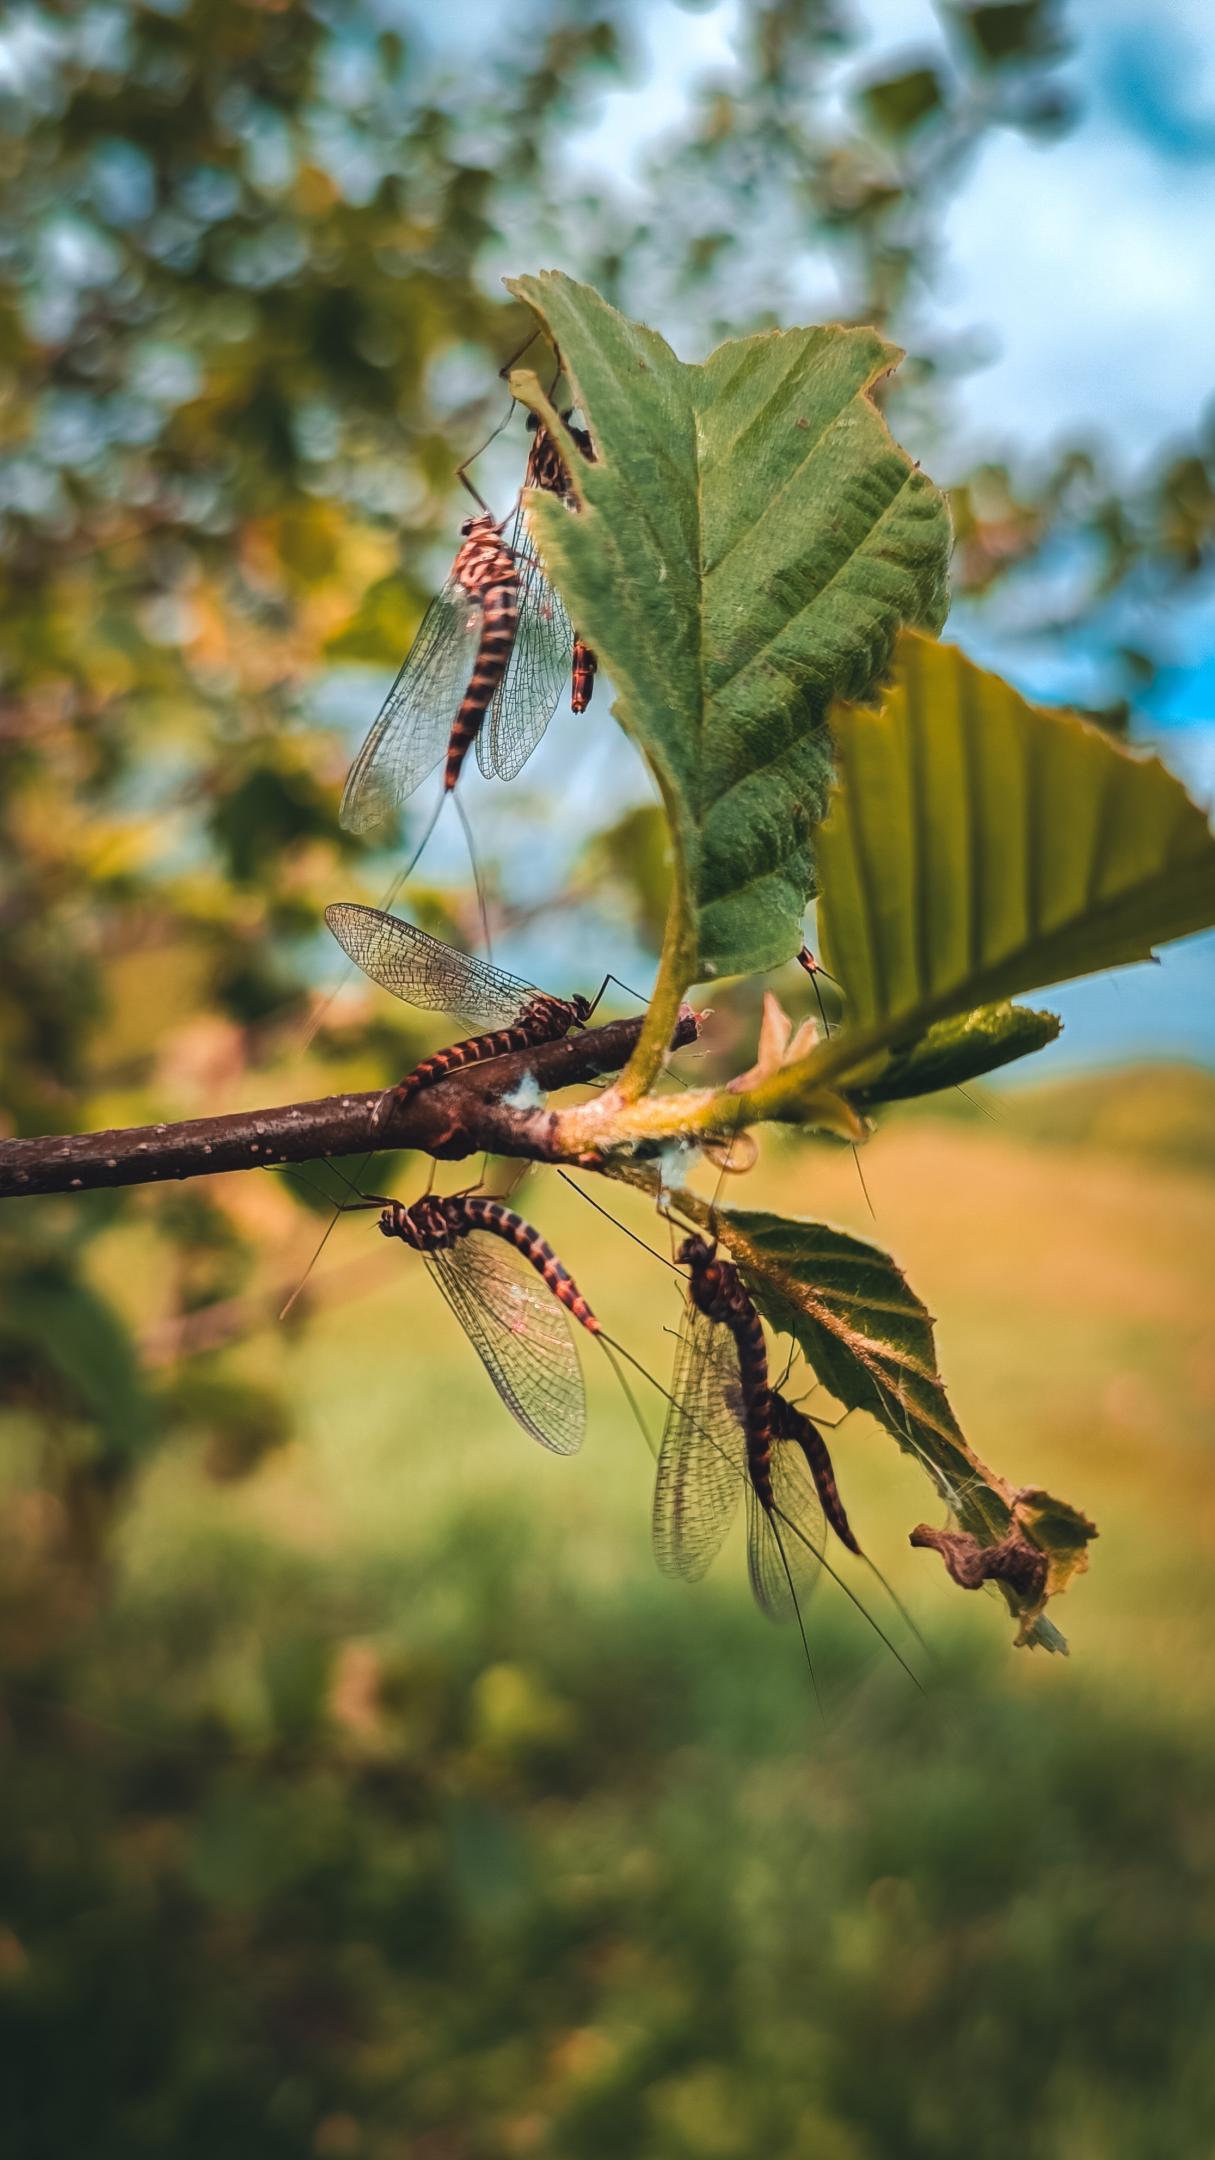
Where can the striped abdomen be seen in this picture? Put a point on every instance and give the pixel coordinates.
(471, 1212)
(790, 1423)
(500, 611)
(546, 1020)
(583, 682)
(748, 1332)
(717, 1290)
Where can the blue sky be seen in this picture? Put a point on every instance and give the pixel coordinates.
(1086, 269)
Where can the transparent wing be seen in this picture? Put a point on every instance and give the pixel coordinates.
(425, 972)
(797, 1528)
(522, 1335)
(702, 1461)
(415, 721)
(536, 673)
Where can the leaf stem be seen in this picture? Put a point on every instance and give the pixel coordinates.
(676, 970)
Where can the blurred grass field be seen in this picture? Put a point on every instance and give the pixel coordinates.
(387, 1803)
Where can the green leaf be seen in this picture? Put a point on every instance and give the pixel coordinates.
(898, 104)
(1006, 33)
(867, 1336)
(957, 1050)
(869, 1339)
(748, 543)
(978, 846)
(1058, 1530)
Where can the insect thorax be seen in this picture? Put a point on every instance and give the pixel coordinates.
(484, 558)
(550, 1015)
(714, 1285)
(424, 1226)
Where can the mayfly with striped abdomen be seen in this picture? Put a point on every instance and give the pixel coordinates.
(513, 1299)
(438, 702)
(435, 977)
(546, 649)
(487, 665)
(727, 1429)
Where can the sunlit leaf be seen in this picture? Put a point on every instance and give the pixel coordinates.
(749, 541)
(954, 1051)
(978, 846)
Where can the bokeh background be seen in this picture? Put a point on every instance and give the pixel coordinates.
(365, 1793)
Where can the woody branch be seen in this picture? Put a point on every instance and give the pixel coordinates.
(466, 1113)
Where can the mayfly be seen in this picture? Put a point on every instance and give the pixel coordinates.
(546, 648)
(421, 970)
(728, 1430)
(486, 1261)
(487, 664)
(437, 978)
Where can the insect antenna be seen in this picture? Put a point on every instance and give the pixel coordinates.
(462, 468)
(475, 866)
(629, 1396)
(856, 1157)
(626, 987)
(900, 1609)
(797, 1611)
(813, 968)
(340, 1208)
(599, 1208)
(862, 1608)
(807, 961)
(721, 1174)
(420, 849)
(503, 376)
(783, 1382)
(465, 482)
(314, 1024)
(997, 1117)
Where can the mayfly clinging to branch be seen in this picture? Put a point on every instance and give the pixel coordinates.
(422, 971)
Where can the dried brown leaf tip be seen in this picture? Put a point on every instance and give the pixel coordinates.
(1044, 1549)
(1013, 1560)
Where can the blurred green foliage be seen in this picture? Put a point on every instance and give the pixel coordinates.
(288, 1875)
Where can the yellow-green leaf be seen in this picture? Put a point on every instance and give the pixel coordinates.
(956, 1050)
(978, 846)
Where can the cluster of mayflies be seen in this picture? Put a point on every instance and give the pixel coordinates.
(487, 667)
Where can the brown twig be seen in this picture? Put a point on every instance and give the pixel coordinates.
(463, 1114)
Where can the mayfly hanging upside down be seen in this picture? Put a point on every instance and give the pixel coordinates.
(729, 1430)
(487, 665)
(514, 1301)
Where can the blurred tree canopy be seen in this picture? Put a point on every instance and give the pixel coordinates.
(250, 317)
